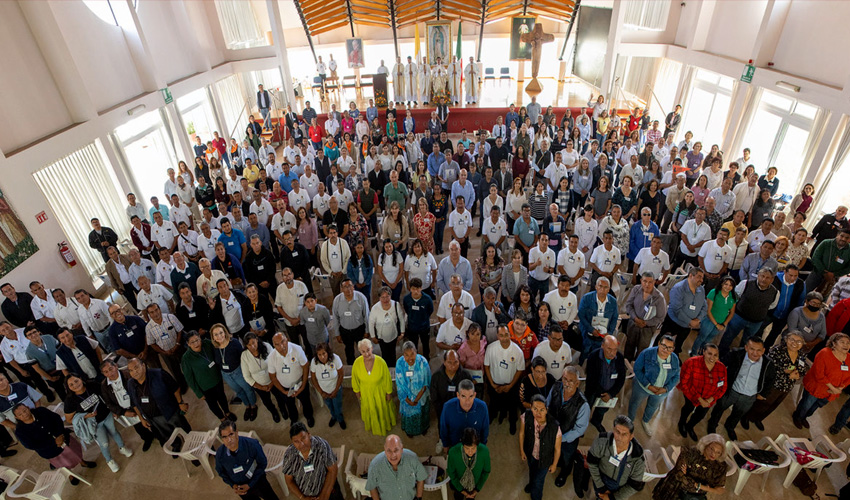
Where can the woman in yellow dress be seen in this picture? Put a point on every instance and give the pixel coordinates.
(370, 380)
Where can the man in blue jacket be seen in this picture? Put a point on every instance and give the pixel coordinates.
(792, 294)
(686, 307)
(656, 374)
(462, 412)
(597, 317)
(641, 234)
(241, 464)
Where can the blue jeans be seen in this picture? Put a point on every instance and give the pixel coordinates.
(736, 326)
(707, 332)
(808, 405)
(103, 431)
(843, 415)
(335, 406)
(267, 124)
(536, 478)
(653, 401)
(243, 391)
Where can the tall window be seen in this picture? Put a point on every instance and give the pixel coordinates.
(661, 99)
(649, 15)
(148, 152)
(707, 108)
(197, 114)
(778, 136)
(234, 106)
(239, 24)
(79, 187)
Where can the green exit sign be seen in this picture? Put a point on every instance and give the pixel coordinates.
(166, 94)
(749, 71)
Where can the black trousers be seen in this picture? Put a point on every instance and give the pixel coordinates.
(163, 427)
(28, 375)
(266, 398)
(172, 363)
(216, 400)
(292, 409)
(388, 350)
(298, 334)
(146, 434)
(350, 339)
(692, 415)
(504, 403)
(424, 336)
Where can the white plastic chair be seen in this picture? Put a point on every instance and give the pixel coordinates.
(671, 281)
(735, 448)
(821, 443)
(442, 486)
(49, 485)
(357, 484)
(196, 447)
(9, 476)
(657, 465)
(672, 455)
(274, 457)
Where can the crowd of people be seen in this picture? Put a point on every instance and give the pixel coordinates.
(593, 230)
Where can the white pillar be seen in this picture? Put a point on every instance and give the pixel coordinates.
(128, 19)
(615, 33)
(276, 22)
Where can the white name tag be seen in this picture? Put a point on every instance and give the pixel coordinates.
(311, 320)
(260, 268)
(452, 388)
(692, 307)
(667, 366)
(408, 374)
(720, 384)
(347, 313)
(225, 367)
(192, 314)
(295, 254)
(308, 468)
(415, 308)
(212, 363)
(844, 368)
(145, 400)
(614, 461)
(237, 470)
(613, 376)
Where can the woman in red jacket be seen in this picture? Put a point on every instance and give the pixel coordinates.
(829, 375)
(703, 382)
(838, 317)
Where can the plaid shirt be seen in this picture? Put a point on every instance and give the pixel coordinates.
(164, 334)
(697, 382)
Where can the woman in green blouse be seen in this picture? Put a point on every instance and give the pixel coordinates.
(468, 465)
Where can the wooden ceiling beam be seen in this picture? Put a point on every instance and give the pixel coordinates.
(362, 18)
(461, 9)
(331, 28)
(326, 22)
(333, 14)
(322, 10)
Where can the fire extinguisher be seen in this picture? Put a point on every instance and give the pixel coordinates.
(65, 252)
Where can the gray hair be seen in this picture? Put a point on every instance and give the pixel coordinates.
(454, 243)
(465, 385)
(408, 346)
(571, 369)
(643, 275)
(256, 236)
(603, 278)
(766, 270)
(364, 342)
(489, 291)
(709, 439)
(625, 422)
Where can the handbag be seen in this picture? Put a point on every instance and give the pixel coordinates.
(805, 484)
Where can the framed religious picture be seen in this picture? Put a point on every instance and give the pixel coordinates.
(354, 51)
(16, 243)
(520, 25)
(439, 38)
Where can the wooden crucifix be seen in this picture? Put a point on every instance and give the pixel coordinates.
(536, 38)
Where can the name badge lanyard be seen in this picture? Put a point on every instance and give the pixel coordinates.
(621, 469)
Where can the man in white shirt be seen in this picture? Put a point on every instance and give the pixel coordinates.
(541, 265)
(452, 333)
(460, 224)
(746, 194)
(504, 365)
(163, 233)
(342, 195)
(43, 305)
(571, 262)
(153, 294)
(170, 186)
(334, 253)
(309, 182)
(715, 257)
(456, 295)
(65, 310)
(274, 169)
(262, 208)
(164, 268)
(234, 182)
(495, 229)
(757, 236)
(265, 150)
(287, 365)
(13, 347)
(134, 208)
(331, 125)
(653, 259)
(94, 317)
(187, 242)
(563, 304)
(605, 260)
(555, 352)
(321, 202)
(289, 300)
(290, 151)
(283, 221)
(207, 240)
(626, 152)
(555, 171)
(298, 197)
(179, 212)
(725, 198)
(694, 233)
(139, 267)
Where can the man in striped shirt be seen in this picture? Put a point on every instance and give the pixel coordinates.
(310, 465)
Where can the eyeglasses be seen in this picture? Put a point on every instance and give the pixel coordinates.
(666, 347)
(795, 341)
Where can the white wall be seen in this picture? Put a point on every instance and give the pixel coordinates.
(30, 103)
(814, 42)
(734, 26)
(164, 32)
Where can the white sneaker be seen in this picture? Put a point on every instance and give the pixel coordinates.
(646, 428)
(113, 466)
(439, 448)
(127, 452)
